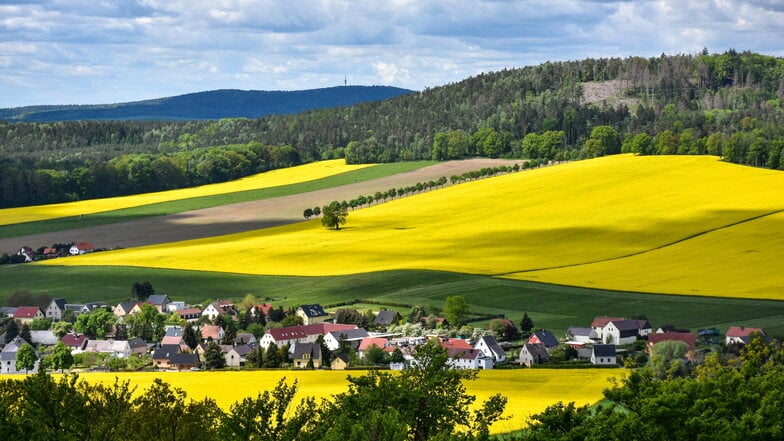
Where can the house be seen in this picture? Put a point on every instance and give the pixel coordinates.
(368, 342)
(174, 306)
(189, 314)
(184, 361)
(212, 332)
(54, 311)
(339, 362)
(687, 337)
(44, 338)
(263, 308)
(27, 253)
(544, 337)
(237, 355)
(8, 357)
(90, 307)
(305, 353)
(7, 311)
(173, 336)
(312, 314)
(533, 353)
(172, 357)
(244, 338)
(468, 359)
(74, 340)
(735, 334)
(455, 343)
(599, 323)
(219, 307)
(300, 334)
(490, 348)
(581, 335)
(138, 346)
(625, 331)
(434, 322)
(115, 348)
(81, 248)
(159, 301)
(352, 336)
(26, 314)
(603, 355)
(387, 318)
(123, 309)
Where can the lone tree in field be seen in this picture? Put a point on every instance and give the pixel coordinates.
(308, 213)
(334, 215)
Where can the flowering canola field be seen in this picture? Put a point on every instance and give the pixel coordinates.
(529, 391)
(273, 178)
(655, 224)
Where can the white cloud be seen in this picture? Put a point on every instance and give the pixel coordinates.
(56, 51)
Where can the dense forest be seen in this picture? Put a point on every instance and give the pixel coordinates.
(213, 104)
(727, 104)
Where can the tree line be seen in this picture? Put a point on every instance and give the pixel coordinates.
(532, 112)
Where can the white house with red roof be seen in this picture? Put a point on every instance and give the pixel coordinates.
(300, 334)
(81, 248)
(738, 334)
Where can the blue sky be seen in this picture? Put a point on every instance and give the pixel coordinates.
(102, 51)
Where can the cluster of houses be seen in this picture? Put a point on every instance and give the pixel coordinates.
(597, 343)
(27, 254)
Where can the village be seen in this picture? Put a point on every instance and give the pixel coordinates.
(161, 334)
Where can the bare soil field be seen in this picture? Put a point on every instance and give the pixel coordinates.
(236, 218)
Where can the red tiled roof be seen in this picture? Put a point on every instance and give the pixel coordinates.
(367, 342)
(601, 322)
(264, 307)
(735, 331)
(84, 245)
(208, 331)
(26, 312)
(455, 343)
(73, 340)
(294, 332)
(687, 337)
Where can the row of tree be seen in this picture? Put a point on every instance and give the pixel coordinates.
(426, 401)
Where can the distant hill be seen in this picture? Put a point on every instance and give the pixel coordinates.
(215, 104)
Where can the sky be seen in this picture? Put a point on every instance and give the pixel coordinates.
(108, 51)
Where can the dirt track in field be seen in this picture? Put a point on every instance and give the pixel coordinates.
(236, 218)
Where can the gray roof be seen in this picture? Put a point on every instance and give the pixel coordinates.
(627, 325)
(186, 359)
(46, 338)
(158, 299)
(165, 352)
(174, 331)
(386, 317)
(547, 338)
(9, 351)
(243, 338)
(244, 350)
(137, 343)
(7, 310)
(604, 350)
(492, 344)
(537, 350)
(577, 331)
(300, 349)
(314, 310)
(350, 334)
(60, 303)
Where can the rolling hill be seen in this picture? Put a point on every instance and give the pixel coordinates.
(559, 219)
(214, 104)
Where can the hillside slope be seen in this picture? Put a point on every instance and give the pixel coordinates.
(214, 104)
(558, 217)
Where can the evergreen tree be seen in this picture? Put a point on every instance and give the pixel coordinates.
(213, 356)
(11, 331)
(189, 336)
(270, 358)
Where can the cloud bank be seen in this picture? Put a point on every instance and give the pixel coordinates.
(82, 51)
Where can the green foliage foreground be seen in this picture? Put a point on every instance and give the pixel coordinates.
(739, 400)
(426, 401)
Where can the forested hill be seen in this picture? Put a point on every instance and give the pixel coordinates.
(727, 104)
(215, 104)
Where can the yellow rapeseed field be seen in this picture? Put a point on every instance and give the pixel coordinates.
(273, 178)
(515, 225)
(529, 391)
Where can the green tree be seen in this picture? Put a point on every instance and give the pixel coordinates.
(11, 331)
(24, 333)
(334, 215)
(25, 358)
(526, 324)
(61, 357)
(97, 323)
(213, 356)
(141, 291)
(456, 310)
(270, 358)
(427, 400)
(189, 336)
(307, 213)
(269, 417)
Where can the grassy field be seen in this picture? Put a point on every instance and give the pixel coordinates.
(311, 177)
(519, 225)
(529, 391)
(550, 306)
